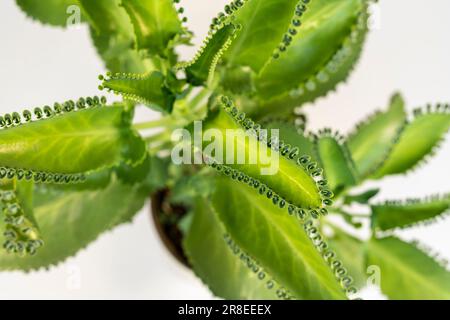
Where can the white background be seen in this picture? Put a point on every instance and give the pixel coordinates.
(408, 51)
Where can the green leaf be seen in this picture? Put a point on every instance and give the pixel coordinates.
(279, 243)
(329, 35)
(362, 198)
(336, 161)
(372, 141)
(407, 273)
(275, 167)
(53, 12)
(113, 36)
(213, 261)
(264, 22)
(395, 214)
(155, 23)
(107, 17)
(279, 93)
(419, 139)
(203, 66)
(352, 253)
(72, 142)
(69, 221)
(149, 89)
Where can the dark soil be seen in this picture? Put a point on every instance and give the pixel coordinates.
(166, 216)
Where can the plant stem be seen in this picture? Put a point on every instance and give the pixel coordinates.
(352, 215)
(162, 122)
(198, 99)
(158, 137)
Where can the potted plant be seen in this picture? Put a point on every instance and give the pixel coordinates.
(241, 192)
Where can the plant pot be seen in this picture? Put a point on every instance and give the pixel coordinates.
(164, 216)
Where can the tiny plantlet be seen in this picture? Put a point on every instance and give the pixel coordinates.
(72, 170)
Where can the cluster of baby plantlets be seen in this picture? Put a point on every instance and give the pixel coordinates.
(247, 70)
(149, 89)
(21, 235)
(15, 119)
(272, 186)
(202, 67)
(39, 176)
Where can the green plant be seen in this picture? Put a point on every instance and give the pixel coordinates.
(74, 170)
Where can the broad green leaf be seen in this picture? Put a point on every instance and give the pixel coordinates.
(393, 215)
(214, 262)
(351, 252)
(326, 28)
(149, 89)
(407, 273)
(323, 80)
(113, 36)
(107, 17)
(284, 178)
(419, 139)
(53, 12)
(155, 23)
(264, 22)
(362, 198)
(336, 161)
(73, 142)
(372, 141)
(280, 244)
(203, 66)
(69, 221)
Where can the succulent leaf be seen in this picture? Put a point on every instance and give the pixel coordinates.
(373, 139)
(264, 23)
(397, 214)
(336, 160)
(65, 141)
(282, 247)
(291, 181)
(70, 220)
(226, 275)
(419, 139)
(407, 273)
(149, 89)
(203, 66)
(52, 12)
(362, 198)
(155, 22)
(113, 36)
(279, 93)
(327, 27)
